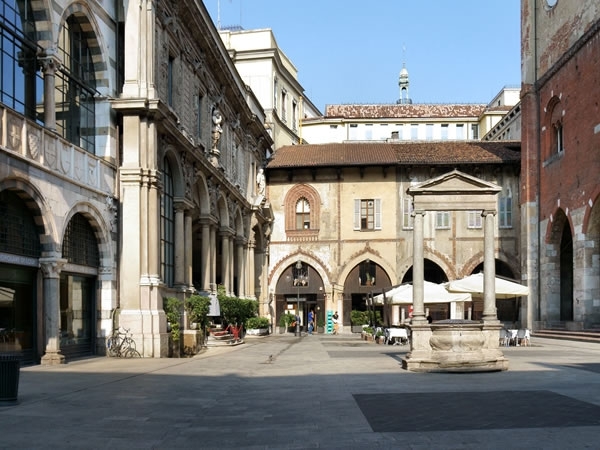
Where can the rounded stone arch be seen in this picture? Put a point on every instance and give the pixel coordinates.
(431, 268)
(291, 199)
(42, 215)
(95, 41)
(99, 226)
(257, 233)
(201, 195)
(41, 11)
(357, 259)
(435, 258)
(238, 223)
(503, 269)
(171, 156)
(470, 267)
(222, 211)
(307, 258)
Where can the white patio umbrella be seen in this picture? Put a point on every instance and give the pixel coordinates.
(378, 299)
(473, 284)
(432, 293)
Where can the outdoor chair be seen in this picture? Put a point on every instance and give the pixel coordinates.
(504, 337)
(524, 337)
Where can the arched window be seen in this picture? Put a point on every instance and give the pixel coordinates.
(302, 214)
(76, 86)
(21, 83)
(558, 137)
(80, 245)
(18, 232)
(554, 147)
(167, 216)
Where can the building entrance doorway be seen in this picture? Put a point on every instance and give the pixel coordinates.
(17, 312)
(77, 315)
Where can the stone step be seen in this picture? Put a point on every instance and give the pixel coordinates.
(582, 336)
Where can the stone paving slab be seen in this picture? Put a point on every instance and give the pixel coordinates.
(287, 392)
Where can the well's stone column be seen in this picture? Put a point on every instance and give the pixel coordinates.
(489, 269)
(418, 269)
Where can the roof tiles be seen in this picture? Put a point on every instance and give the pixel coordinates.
(406, 153)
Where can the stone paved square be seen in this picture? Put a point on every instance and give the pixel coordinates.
(451, 411)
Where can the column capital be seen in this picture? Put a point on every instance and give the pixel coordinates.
(50, 64)
(487, 212)
(51, 267)
(182, 204)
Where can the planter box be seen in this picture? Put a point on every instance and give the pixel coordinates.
(175, 347)
(257, 331)
(193, 340)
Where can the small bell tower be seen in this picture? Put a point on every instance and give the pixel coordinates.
(403, 82)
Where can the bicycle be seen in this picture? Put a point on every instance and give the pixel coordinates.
(121, 344)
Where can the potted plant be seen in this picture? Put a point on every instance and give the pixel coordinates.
(320, 325)
(196, 308)
(358, 319)
(235, 311)
(257, 326)
(288, 322)
(172, 308)
(367, 333)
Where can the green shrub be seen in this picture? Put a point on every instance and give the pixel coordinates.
(172, 307)
(287, 320)
(359, 317)
(257, 322)
(236, 310)
(197, 307)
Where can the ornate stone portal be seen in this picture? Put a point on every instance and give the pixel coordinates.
(455, 345)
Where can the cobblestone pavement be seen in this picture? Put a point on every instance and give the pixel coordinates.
(320, 391)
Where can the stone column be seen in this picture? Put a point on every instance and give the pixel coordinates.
(225, 262)
(251, 271)
(396, 315)
(212, 262)
(179, 234)
(489, 269)
(188, 248)
(230, 262)
(51, 268)
(205, 257)
(50, 64)
(239, 247)
(152, 218)
(418, 269)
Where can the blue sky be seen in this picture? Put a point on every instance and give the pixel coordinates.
(352, 51)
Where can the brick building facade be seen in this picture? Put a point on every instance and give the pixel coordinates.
(560, 186)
